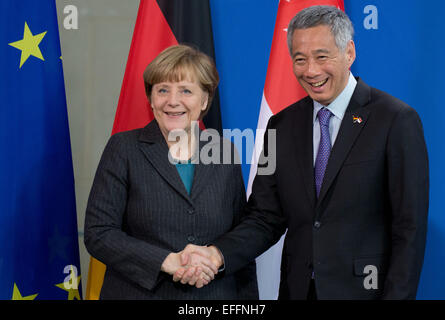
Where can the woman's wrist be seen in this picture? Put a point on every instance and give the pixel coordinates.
(171, 263)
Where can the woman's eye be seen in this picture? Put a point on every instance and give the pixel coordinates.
(162, 90)
(186, 91)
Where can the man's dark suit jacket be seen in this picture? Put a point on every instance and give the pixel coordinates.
(372, 208)
(139, 211)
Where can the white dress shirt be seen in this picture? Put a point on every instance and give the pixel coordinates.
(338, 108)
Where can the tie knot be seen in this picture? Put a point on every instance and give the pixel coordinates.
(323, 116)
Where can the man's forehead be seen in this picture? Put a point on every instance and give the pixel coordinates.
(321, 31)
(317, 40)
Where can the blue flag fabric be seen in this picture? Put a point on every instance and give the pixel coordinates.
(39, 251)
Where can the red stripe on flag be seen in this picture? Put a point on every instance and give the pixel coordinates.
(281, 88)
(151, 35)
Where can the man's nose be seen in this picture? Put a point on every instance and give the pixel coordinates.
(313, 69)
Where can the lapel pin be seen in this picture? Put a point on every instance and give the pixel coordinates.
(356, 119)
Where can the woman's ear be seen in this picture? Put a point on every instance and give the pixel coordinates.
(149, 101)
(205, 102)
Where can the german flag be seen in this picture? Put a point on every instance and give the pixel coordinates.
(159, 24)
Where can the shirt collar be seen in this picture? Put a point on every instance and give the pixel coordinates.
(339, 105)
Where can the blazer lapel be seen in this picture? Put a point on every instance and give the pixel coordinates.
(155, 149)
(203, 171)
(303, 136)
(353, 122)
(201, 177)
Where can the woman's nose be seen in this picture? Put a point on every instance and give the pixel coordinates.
(173, 98)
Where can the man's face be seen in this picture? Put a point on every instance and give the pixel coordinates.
(320, 66)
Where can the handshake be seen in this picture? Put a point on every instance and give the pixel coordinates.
(195, 265)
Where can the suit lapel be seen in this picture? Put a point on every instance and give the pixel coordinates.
(203, 171)
(201, 177)
(155, 149)
(303, 136)
(347, 135)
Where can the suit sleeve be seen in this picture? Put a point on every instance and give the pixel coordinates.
(408, 184)
(105, 238)
(262, 225)
(246, 277)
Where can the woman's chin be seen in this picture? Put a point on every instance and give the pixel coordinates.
(184, 126)
(174, 133)
(178, 129)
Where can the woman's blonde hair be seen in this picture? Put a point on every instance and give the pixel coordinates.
(182, 62)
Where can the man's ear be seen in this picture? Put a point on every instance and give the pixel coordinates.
(350, 52)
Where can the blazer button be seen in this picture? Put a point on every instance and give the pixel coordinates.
(191, 238)
(190, 211)
(317, 224)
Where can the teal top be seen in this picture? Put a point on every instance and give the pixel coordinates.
(186, 171)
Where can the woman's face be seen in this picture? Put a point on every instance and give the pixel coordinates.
(176, 104)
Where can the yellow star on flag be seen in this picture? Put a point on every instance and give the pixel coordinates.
(29, 45)
(16, 295)
(71, 285)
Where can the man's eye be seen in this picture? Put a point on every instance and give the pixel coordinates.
(300, 61)
(322, 57)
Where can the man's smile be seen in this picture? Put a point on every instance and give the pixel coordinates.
(319, 84)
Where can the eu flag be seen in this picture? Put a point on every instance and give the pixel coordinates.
(39, 253)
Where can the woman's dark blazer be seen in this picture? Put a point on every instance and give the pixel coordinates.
(139, 211)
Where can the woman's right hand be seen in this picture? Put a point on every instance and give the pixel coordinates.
(200, 270)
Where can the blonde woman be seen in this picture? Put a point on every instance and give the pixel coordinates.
(149, 200)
